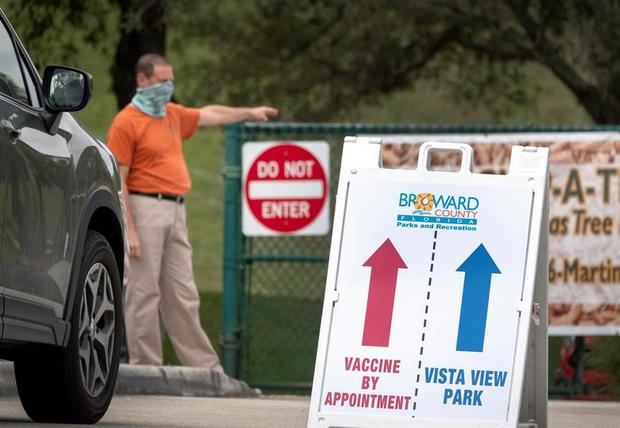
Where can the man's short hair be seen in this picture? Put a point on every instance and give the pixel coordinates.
(147, 62)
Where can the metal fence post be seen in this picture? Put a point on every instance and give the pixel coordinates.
(230, 330)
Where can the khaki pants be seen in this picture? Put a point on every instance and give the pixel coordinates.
(162, 279)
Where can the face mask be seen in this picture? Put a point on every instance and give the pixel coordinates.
(152, 99)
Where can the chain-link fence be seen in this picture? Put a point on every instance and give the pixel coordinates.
(274, 286)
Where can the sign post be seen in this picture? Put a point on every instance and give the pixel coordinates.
(285, 188)
(434, 311)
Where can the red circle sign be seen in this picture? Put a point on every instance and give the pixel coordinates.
(286, 188)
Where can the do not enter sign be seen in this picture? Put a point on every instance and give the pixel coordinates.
(285, 188)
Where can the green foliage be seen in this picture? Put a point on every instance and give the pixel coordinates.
(55, 30)
(316, 59)
(313, 58)
(434, 102)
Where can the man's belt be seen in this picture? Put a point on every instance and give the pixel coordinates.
(176, 198)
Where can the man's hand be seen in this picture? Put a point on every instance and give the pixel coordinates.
(262, 113)
(134, 244)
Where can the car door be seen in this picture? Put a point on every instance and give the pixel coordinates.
(3, 194)
(39, 195)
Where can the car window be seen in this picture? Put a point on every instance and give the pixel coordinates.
(32, 89)
(11, 80)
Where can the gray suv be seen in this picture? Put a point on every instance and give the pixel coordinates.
(62, 242)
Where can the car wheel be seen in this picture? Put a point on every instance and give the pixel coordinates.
(75, 384)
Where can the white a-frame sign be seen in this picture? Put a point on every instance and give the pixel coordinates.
(435, 302)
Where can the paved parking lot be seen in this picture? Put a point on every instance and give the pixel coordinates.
(276, 412)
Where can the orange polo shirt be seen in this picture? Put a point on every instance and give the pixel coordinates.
(152, 148)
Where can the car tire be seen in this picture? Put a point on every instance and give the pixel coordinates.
(75, 384)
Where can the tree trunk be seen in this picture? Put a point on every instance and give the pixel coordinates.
(142, 30)
(603, 109)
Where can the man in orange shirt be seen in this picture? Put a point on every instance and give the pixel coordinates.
(146, 139)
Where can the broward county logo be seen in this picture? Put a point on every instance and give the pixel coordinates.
(424, 201)
(437, 211)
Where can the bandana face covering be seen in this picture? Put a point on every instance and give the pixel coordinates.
(152, 99)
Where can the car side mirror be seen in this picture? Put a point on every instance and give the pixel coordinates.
(66, 88)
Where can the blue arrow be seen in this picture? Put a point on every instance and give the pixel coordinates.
(478, 269)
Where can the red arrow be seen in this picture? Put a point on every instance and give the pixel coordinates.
(384, 264)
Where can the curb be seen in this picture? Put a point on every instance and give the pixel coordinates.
(180, 381)
(158, 380)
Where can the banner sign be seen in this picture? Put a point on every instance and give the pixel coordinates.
(584, 216)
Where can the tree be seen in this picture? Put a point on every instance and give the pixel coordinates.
(55, 30)
(142, 30)
(318, 57)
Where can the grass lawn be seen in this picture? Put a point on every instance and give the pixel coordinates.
(275, 352)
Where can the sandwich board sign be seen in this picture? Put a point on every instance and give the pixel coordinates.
(285, 188)
(434, 312)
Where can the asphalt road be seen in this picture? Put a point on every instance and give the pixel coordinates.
(167, 412)
(280, 412)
